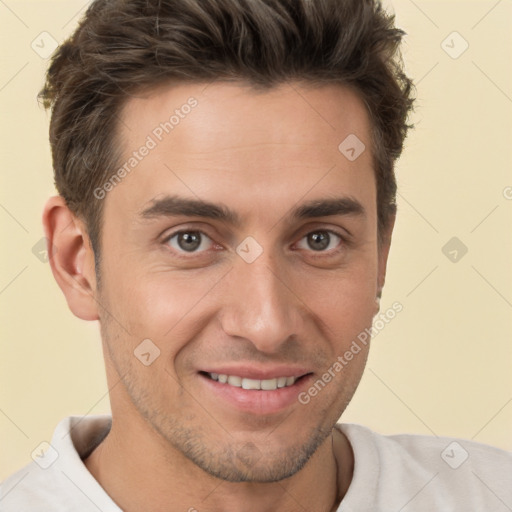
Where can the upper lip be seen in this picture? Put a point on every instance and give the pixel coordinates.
(259, 373)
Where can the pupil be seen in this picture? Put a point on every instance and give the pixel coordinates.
(321, 239)
(189, 241)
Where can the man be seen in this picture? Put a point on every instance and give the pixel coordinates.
(225, 210)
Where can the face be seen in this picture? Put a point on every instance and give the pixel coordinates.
(243, 245)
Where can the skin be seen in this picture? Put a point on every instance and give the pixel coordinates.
(174, 445)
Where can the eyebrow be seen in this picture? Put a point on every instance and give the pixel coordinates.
(173, 206)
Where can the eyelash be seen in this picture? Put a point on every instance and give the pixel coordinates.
(320, 254)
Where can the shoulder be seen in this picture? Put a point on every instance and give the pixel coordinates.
(432, 471)
(455, 452)
(57, 479)
(33, 488)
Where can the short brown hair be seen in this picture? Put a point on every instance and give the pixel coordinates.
(123, 46)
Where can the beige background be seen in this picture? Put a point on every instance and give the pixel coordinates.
(442, 366)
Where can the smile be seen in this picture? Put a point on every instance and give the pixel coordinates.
(245, 383)
(256, 390)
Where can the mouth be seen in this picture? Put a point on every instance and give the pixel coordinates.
(269, 394)
(260, 384)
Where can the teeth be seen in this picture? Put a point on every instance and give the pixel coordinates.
(251, 384)
(266, 384)
(281, 382)
(269, 384)
(235, 381)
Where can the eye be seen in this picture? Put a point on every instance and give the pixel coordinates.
(319, 241)
(188, 241)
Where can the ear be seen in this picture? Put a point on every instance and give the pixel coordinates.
(71, 258)
(383, 252)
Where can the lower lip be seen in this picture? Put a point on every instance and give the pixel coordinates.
(258, 401)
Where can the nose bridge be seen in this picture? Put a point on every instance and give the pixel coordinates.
(261, 307)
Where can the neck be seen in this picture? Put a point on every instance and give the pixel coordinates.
(141, 472)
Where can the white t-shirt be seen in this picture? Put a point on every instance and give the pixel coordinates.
(398, 473)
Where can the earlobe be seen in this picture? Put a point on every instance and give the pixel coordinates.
(71, 258)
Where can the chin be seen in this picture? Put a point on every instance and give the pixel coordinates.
(238, 467)
(248, 462)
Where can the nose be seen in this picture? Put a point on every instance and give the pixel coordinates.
(262, 306)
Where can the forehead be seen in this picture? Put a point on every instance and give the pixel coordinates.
(296, 113)
(227, 142)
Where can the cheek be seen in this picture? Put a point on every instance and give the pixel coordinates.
(156, 304)
(344, 300)
(346, 311)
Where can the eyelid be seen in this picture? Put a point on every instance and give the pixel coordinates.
(167, 237)
(314, 227)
